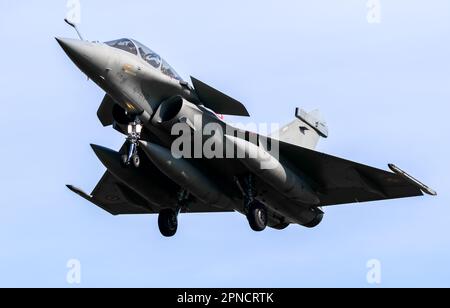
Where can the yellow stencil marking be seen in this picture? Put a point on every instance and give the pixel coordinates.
(130, 107)
(129, 69)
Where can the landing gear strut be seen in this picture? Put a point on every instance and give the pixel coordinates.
(255, 210)
(134, 134)
(168, 218)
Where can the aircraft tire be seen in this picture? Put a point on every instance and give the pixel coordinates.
(168, 222)
(136, 161)
(257, 216)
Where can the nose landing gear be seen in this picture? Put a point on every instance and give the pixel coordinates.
(134, 135)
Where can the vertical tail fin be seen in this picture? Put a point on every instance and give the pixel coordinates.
(304, 131)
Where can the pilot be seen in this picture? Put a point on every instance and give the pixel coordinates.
(131, 47)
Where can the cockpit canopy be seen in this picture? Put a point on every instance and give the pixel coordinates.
(148, 55)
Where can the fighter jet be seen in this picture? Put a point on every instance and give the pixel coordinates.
(146, 99)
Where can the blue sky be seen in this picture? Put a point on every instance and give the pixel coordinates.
(384, 90)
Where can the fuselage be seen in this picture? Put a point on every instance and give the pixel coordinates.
(273, 185)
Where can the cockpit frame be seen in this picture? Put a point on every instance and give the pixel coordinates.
(149, 56)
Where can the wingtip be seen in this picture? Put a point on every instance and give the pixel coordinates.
(79, 192)
(94, 147)
(424, 188)
(73, 188)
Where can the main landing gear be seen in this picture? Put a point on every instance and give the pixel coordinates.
(255, 211)
(134, 134)
(257, 216)
(168, 218)
(168, 222)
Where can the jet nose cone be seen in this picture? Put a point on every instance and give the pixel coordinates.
(89, 57)
(73, 48)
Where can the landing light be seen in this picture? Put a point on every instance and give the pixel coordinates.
(139, 128)
(134, 128)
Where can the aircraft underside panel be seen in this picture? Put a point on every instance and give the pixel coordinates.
(114, 197)
(109, 195)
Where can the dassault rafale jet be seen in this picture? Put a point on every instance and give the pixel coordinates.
(146, 100)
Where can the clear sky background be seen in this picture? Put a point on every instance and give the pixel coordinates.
(384, 90)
